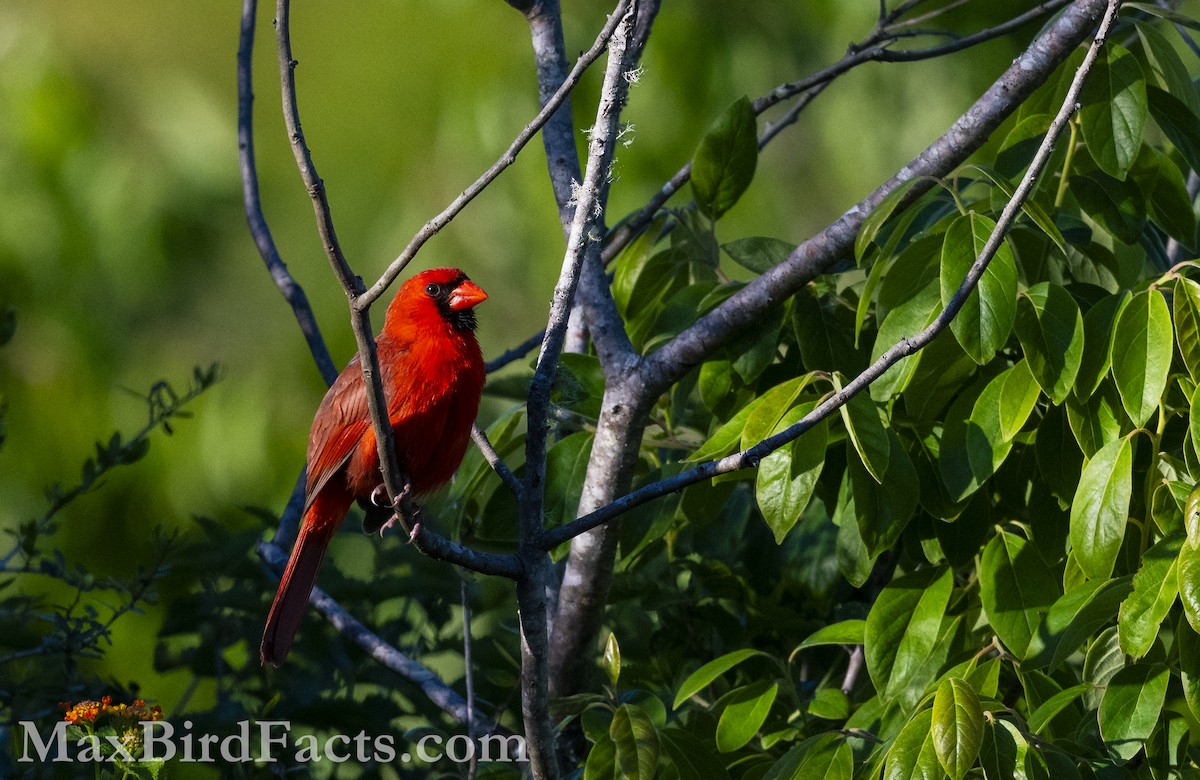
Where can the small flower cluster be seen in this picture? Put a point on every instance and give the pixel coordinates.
(89, 711)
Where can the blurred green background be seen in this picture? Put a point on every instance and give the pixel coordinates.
(125, 252)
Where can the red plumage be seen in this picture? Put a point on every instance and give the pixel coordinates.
(432, 372)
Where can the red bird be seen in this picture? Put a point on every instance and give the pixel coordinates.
(433, 374)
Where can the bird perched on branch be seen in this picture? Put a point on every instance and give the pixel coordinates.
(432, 373)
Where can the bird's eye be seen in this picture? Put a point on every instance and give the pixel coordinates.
(433, 290)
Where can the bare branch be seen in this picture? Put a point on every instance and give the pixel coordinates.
(495, 461)
(434, 225)
(292, 292)
(753, 455)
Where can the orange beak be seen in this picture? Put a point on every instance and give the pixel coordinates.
(467, 295)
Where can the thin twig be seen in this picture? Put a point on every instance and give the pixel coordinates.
(291, 290)
(495, 461)
(752, 456)
(434, 225)
(516, 353)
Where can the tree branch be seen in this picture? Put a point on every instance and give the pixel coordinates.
(752, 456)
(292, 292)
(819, 252)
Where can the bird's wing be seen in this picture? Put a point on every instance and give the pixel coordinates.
(339, 424)
(343, 419)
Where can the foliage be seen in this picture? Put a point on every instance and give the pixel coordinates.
(57, 616)
(993, 555)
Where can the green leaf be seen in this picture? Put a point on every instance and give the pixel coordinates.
(975, 447)
(1189, 663)
(744, 715)
(830, 704)
(1016, 589)
(690, 756)
(1041, 717)
(1097, 343)
(845, 632)
(1189, 583)
(1050, 329)
(883, 509)
(724, 163)
(957, 726)
(904, 321)
(1075, 617)
(1168, 202)
(1169, 14)
(902, 627)
(566, 463)
(1114, 110)
(986, 318)
(1131, 706)
(1178, 123)
(1097, 420)
(769, 409)
(1166, 67)
(1032, 210)
(787, 477)
(636, 742)
(758, 253)
(1005, 753)
(601, 761)
(1117, 205)
(612, 659)
(1154, 589)
(702, 677)
(822, 756)
(912, 755)
(1141, 354)
(1187, 323)
(867, 434)
(879, 216)
(1101, 508)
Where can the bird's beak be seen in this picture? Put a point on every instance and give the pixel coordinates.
(466, 295)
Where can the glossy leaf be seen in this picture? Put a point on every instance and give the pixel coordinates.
(1141, 355)
(866, 431)
(1131, 706)
(787, 477)
(844, 632)
(704, 676)
(1016, 589)
(986, 318)
(690, 756)
(879, 216)
(1189, 583)
(1097, 343)
(1101, 508)
(1155, 587)
(612, 659)
(883, 509)
(636, 742)
(1051, 707)
(758, 253)
(904, 321)
(1075, 617)
(902, 627)
(1117, 205)
(744, 715)
(1189, 663)
(1178, 123)
(1114, 110)
(724, 163)
(1050, 329)
(957, 726)
(1186, 300)
(1166, 67)
(912, 755)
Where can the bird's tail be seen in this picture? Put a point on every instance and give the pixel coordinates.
(320, 523)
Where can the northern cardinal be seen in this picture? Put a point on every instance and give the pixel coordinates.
(432, 372)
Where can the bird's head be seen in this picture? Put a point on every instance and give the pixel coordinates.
(444, 293)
